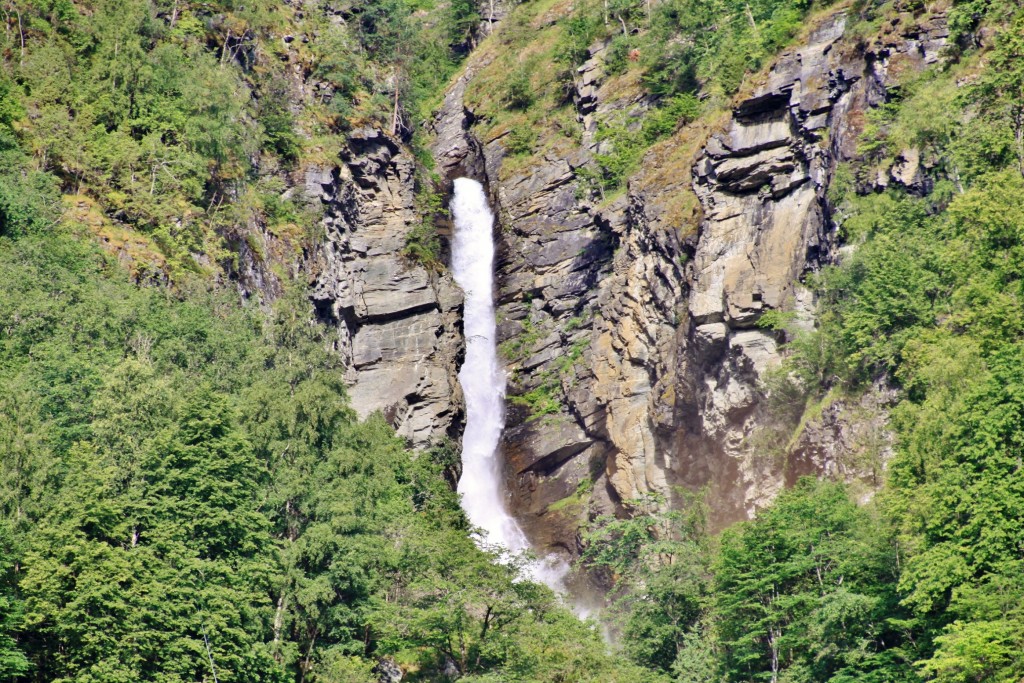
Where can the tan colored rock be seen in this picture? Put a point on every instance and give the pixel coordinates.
(765, 207)
(648, 327)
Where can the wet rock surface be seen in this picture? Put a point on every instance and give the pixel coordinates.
(588, 298)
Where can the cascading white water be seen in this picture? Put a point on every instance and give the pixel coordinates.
(483, 383)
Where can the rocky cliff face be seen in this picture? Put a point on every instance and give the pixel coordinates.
(398, 322)
(630, 328)
(762, 183)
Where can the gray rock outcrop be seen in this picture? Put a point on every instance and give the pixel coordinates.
(398, 322)
(762, 183)
(631, 329)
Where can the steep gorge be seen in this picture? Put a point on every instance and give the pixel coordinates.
(636, 321)
(630, 325)
(306, 304)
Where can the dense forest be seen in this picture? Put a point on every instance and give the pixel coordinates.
(187, 495)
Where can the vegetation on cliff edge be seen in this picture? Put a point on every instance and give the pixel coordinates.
(185, 494)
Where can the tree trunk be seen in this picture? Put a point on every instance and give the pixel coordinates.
(279, 619)
(224, 51)
(394, 113)
(773, 642)
(21, 33)
(1018, 135)
(750, 17)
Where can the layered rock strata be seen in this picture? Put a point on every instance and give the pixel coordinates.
(762, 183)
(398, 322)
(631, 329)
(586, 307)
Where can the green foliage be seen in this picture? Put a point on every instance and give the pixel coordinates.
(543, 399)
(929, 299)
(804, 592)
(175, 562)
(28, 198)
(579, 31)
(423, 246)
(132, 492)
(669, 116)
(957, 490)
(383, 28)
(189, 495)
(518, 90)
(999, 92)
(461, 20)
(140, 114)
(713, 45)
(546, 398)
(276, 120)
(409, 46)
(12, 660)
(519, 346)
(977, 651)
(164, 118)
(521, 140)
(422, 243)
(884, 295)
(616, 57)
(185, 493)
(338, 64)
(659, 564)
(629, 142)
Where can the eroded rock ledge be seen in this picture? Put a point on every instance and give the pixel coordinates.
(762, 183)
(631, 330)
(398, 323)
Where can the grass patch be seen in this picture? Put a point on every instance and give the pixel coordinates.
(422, 244)
(575, 501)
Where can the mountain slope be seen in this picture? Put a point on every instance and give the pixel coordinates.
(740, 243)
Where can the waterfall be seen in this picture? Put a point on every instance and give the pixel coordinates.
(483, 385)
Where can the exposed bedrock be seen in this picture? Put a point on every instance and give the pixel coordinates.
(762, 183)
(398, 322)
(630, 328)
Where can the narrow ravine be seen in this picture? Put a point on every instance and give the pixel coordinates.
(483, 385)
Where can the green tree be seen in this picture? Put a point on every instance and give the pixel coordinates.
(462, 19)
(13, 662)
(804, 593)
(167, 556)
(659, 564)
(1000, 90)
